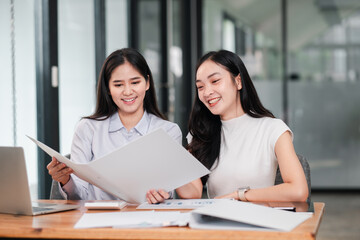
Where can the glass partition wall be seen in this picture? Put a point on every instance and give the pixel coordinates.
(324, 86)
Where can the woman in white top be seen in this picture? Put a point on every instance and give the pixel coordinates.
(126, 109)
(238, 139)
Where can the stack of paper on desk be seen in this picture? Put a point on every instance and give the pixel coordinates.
(154, 161)
(222, 214)
(137, 219)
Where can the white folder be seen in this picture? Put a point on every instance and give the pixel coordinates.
(237, 215)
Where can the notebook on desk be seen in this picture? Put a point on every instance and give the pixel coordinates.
(14, 188)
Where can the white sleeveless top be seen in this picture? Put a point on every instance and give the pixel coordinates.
(247, 154)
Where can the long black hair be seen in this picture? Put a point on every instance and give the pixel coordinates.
(204, 126)
(105, 105)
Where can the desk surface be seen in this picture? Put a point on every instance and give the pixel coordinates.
(60, 225)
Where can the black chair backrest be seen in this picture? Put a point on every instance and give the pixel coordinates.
(306, 168)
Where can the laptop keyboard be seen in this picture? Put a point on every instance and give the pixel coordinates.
(40, 204)
(39, 209)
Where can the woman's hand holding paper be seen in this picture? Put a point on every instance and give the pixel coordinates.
(153, 196)
(59, 171)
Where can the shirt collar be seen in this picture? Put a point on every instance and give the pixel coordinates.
(142, 126)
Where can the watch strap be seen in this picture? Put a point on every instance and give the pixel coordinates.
(241, 193)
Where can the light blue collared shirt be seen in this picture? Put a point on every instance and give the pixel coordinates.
(94, 139)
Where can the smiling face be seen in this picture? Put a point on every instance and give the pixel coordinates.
(218, 90)
(127, 89)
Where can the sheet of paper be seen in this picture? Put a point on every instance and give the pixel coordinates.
(135, 219)
(154, 161)
(247, 213)
(83, 171)
(179, 204)
(105, 205)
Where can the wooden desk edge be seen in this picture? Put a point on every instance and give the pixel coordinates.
(319, 208)
(306, 230)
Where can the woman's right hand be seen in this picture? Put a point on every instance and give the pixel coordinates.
(59, 171)
(154, 196)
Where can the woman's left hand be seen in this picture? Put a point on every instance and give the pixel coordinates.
(153, 196)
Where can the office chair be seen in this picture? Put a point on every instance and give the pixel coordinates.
(55, 191)
(306, 168)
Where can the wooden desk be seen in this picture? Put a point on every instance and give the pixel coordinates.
(60, 225)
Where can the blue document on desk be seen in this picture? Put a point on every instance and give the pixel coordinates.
(154, 161)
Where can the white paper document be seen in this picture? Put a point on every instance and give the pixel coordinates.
(136, 219)
(154, 161)
(237, 215)
(223, 214)
(179, 204)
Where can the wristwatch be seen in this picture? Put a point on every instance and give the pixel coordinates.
(241, 193)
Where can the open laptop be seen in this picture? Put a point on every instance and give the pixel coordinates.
(14, 188)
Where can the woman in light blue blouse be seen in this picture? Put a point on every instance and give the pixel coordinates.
(126, 109)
